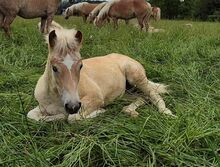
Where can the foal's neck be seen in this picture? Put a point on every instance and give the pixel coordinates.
(49, 81)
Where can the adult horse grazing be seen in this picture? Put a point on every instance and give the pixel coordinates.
(73, 89)
(156, 13)
(27, 9)
(126, 9)
(83, 9)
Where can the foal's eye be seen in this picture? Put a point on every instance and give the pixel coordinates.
(54, 69)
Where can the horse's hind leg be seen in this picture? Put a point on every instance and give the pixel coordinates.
(49, 22)
(146, 20)
(7, 22)
(115, 22)
(136, 76)
(43, 24)
(140, 22)
(1, 20)
(126, 21)
(153, 90)
(131, 109)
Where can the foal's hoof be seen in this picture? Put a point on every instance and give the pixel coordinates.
(168, 112)
(130, 112)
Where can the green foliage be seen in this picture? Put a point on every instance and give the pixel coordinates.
(196, 9)
(185, 58)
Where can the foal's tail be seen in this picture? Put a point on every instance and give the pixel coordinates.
(104, 11)
(159, 88)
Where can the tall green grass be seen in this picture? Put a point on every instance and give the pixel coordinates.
(187, 59)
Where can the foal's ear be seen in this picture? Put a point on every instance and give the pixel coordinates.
(79, 37)
(52, 38)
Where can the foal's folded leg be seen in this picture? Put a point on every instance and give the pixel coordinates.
(35, 114)
(131, 109)
(54, 118)
(47, 115)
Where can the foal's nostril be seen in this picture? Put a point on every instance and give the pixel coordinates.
(72, 109)
(77, 107)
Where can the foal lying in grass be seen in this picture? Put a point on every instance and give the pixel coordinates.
(74, 89)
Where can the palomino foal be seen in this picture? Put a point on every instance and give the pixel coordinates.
(73, 89)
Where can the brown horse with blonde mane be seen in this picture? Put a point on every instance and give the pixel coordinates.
(83, 9)
(74, 89)
(125, 9)
(27, 9)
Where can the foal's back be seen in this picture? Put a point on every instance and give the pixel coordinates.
(108, 75)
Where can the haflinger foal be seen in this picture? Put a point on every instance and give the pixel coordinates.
(74, 89)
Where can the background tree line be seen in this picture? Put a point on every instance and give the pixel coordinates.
(196, 9)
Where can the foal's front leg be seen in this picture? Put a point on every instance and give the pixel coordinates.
(50, 113)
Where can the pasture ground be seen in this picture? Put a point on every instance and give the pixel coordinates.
(187, 59)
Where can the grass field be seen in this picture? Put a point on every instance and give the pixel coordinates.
(188, 59)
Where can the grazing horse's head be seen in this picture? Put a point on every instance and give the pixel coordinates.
(66, 13)
(98, 22)
(64, 66)
(91, 18)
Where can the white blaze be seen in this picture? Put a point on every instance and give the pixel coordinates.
(68, 61)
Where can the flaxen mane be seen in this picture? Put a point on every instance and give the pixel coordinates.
(66, 39)
(97, 9)
(104, 11)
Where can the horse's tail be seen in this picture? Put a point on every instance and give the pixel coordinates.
(157, 87)
(104, 11)
(158, 14)
(147, 16)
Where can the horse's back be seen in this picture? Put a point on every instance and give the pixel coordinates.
(103, 74)
(127, 8)
(109, 73)
(113, 64)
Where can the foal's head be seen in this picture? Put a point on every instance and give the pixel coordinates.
(65, 65)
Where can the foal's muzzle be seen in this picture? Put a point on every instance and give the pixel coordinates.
(72, 108)
(66, 17)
